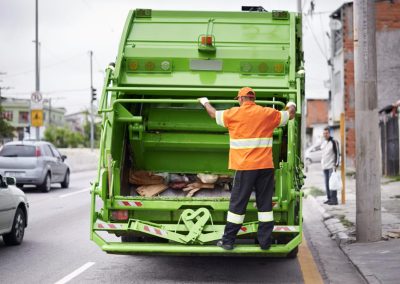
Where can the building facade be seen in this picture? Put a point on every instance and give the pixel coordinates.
(316, 120)
(342, 94)
(76, 121)
(17, 113)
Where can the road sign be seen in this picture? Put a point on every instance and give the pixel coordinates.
(36, 101)
(37, 118)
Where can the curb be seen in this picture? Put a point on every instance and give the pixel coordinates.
(334, 226)
(337, 230)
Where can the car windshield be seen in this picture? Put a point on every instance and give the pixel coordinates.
(18, 151)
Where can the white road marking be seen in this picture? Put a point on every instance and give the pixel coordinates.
(75, 273)
(75, 192)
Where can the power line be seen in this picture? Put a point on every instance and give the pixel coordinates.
(28, 93)
(316, 40)
(44, 66)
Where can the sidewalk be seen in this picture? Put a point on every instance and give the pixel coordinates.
(378, 262)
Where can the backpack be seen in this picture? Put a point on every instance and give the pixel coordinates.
(336, 150)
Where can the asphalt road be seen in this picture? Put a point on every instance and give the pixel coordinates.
(57, 249)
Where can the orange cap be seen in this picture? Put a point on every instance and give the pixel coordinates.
(246, 92)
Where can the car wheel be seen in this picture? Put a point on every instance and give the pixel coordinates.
(46, 185)
(65, 182)
(16, 235)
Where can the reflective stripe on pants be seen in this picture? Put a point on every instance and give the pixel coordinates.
(235, 218)
(265, 216)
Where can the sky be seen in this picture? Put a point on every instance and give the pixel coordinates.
(69, 29)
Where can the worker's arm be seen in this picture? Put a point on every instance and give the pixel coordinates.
(209, 108)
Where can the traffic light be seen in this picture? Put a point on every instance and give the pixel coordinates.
(93, 94)
(28, 129)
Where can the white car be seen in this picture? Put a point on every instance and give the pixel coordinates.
(14, 209)
(313, 154)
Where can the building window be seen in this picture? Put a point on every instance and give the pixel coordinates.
(23, 117)
(7, 115)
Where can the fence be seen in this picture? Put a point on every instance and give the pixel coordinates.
(389, 126)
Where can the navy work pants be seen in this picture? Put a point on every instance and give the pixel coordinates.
(245, 181)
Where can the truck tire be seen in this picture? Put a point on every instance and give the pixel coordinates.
(293, 253)
(16, 235)
(46, 185)
(65, 182)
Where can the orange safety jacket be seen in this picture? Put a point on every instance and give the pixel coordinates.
(250, 129)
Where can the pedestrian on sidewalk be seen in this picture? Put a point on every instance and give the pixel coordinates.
(250, 129)
(329, 162)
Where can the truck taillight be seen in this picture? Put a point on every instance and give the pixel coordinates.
(206, 40)
(120, 215)
(38, 153)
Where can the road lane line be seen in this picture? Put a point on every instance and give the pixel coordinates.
(75, 192)
(308, 266)
(75, 273)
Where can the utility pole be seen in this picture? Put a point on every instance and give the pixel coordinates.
(50, 111)
(91, 102)
(37, 89)
(368, 161)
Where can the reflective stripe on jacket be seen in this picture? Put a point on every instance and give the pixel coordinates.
(250, 129)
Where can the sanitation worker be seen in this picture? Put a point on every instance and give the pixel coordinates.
(250, 129)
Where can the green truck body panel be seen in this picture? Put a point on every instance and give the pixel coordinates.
(152, 121)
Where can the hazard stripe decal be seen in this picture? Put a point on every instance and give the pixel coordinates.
(286, 228)
(155, 231)
(107, 226)
(130, 203)
(289, 229)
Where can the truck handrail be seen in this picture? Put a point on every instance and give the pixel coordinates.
(181, 101)
(198, 89)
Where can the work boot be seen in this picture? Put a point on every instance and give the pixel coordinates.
(224, 246)
(266, 247)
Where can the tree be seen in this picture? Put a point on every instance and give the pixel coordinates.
(6, 130)
(63, 137)
(86, 131)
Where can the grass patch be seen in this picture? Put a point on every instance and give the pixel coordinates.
(392, 179)
(345, 222)
(351, 174)
(315, 191)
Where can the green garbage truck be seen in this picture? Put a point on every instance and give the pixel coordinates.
(163, 184)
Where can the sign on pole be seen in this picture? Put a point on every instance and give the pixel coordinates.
(37, 117)
(36, 101)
